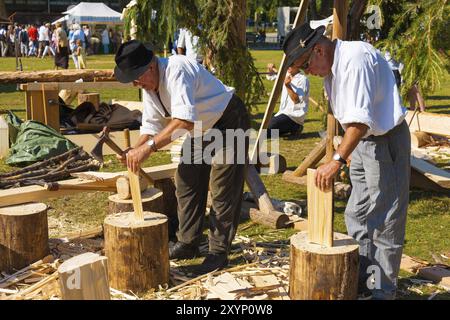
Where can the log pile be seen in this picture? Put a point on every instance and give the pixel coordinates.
(56, 168)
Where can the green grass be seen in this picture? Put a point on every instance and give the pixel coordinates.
(429, 212)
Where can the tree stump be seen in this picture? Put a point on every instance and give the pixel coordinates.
(94, 98)
(152, 200)
(23, 235)
(323, 273)
(137, 251)
(84, 277)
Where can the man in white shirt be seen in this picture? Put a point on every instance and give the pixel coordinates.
(179, 92)
(293, 104)
(364, 98)
(188, 45)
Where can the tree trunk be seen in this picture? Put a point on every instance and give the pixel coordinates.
(23, 235)
(137, 251)
(323, 273)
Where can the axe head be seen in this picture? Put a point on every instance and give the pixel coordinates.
(97, 151)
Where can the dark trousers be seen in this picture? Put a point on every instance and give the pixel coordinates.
(226, 182)
(284, 124)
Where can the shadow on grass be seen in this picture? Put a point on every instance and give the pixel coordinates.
(8, 88)
(441, 109)
(418, 194)
(404, 294)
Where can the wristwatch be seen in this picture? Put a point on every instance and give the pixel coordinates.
(337, 157)
(152, 145)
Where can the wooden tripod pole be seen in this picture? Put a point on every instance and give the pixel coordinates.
(276, 90)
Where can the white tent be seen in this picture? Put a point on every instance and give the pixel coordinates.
(314, 24)
(91, 13)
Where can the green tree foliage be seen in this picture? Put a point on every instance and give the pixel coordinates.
(416, 33)
(216, 23)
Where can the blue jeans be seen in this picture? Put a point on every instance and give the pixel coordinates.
(106, 48)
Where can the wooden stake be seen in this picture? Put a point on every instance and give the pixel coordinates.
(276, 90)
(136, 195)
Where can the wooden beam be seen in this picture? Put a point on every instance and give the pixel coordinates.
(14, 196)
(429, 122)
(55, 76)
(37, 86)
(276, 90)
(435, 174)
(312, 159)
(320, 212)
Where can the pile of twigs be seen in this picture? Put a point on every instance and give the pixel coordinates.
(56, 168)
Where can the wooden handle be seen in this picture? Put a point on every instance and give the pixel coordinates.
(126, 133)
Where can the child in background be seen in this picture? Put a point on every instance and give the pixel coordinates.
(81, 54)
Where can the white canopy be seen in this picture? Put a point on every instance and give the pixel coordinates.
(92, 13)
(314, 24)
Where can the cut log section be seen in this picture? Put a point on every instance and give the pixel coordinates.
(323, 273)
(275, 220)
(84, 277)
(124, 189)
(94, 98)
(23, 235)
(420, 138)
(152, 200)
(137, 251)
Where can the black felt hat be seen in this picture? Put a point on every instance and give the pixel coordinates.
(300, 40)
(132, 60)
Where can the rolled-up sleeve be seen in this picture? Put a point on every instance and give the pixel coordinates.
(182, 96)
(152, 120)
(358, 90)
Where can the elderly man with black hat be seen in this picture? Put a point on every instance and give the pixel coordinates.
(364, 98)
(179, 92)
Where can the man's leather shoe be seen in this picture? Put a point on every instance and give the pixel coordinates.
(212, 262)
(182, 250)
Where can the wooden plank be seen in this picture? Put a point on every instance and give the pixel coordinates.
(278, 85)
(14, 196)
(51, 109)
(435, 174)
(429, 122)
(89, 140)
(320, 213)
(37, 107)
(136, 195)
(312, 159)
(270, 280)
(37, 86)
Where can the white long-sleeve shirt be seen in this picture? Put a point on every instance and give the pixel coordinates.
(295, 111)
(187, 91)
(362, 88)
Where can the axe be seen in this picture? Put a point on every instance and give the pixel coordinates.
(97, 151)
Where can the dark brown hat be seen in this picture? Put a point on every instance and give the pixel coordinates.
(300, 40)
